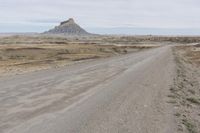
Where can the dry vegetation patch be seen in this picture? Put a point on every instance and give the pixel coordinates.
(20, 54)
(191, 53)
(186, 89)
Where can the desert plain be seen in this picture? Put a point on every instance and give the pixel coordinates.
(99, 84)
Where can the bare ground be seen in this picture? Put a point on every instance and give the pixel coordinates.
(125, 93)
(185, 93)
(25, 54)
(144, 91)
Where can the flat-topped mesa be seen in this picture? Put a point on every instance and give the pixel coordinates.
(70, 21)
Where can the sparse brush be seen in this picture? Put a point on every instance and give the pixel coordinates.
(193, 100)
(190, 127)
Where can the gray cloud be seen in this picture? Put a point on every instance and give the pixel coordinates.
(101, 13)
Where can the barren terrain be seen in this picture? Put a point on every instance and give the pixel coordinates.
(20, 54)
(185, 93)
(106, 84)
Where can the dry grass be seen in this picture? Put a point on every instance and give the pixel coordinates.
(20, 54)
(192, 53)
(155, 40)
(185, 90)
(190, 126)
(194, 100)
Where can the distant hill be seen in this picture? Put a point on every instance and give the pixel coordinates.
(68, 27)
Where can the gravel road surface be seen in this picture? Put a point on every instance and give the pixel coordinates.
(122, 94)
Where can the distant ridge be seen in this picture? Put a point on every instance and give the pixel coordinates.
(68, 27)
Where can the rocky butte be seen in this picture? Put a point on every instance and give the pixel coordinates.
(68, 27)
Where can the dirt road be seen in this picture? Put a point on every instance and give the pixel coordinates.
(122, 94)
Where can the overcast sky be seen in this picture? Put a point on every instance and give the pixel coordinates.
(40, 15)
